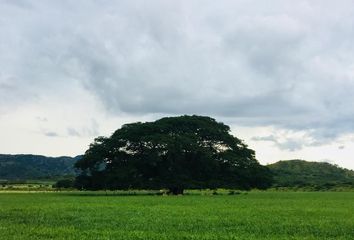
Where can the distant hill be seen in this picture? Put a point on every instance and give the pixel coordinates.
(319, 175)
(23, 167)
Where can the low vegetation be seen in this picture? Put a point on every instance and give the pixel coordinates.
(253, 215)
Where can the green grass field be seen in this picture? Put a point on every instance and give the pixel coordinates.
(256, 215)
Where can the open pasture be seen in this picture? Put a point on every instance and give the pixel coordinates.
(256, 215)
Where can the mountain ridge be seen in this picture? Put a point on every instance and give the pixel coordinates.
(31, 166)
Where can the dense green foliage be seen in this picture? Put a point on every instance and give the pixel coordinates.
(174, 153)
(257, 215)
(317, 175)
(64, 183)
(22, 167)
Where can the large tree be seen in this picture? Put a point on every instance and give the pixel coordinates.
(174, 153)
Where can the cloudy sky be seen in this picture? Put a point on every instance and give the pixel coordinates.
(280, 73)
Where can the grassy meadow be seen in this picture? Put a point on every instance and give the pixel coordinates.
(255, 215)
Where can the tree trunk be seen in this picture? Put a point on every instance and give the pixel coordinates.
(175, 191)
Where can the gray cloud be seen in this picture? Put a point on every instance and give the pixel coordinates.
(89, 131)
(41, 119)
(73, 132)
(51, 134)
(250, 63)
(290, 144)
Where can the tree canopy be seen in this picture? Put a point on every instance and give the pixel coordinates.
(174, 153)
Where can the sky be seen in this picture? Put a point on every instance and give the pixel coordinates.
(280, 73)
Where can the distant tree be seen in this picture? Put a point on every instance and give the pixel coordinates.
(173, 153)
(64, 183)
(3, 183)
